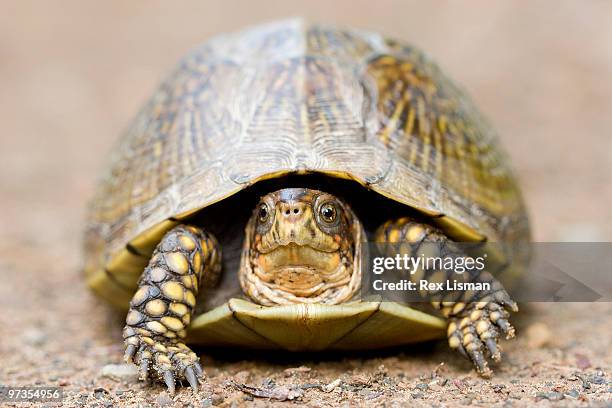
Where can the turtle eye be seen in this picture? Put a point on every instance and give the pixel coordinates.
(328, 212)
(263, 213)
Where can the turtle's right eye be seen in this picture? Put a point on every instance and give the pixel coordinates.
(328, 212)
(263, 213)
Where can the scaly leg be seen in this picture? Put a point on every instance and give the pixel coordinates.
(161, 309)
(475, 319)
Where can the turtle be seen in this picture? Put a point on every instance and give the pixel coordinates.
(238, 205)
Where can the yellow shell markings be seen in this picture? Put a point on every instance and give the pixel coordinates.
(300, 98)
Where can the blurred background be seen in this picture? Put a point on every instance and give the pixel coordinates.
(73, 73)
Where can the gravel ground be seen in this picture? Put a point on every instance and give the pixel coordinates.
(73, 73)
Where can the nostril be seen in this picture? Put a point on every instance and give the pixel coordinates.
(287, 212)
(295, 211)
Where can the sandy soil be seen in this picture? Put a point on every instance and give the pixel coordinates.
(73, 73)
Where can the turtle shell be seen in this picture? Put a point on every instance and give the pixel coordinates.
(297, 98)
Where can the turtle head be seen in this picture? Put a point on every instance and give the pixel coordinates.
(301, 247)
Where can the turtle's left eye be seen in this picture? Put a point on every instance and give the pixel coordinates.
(328, 212)
(263, 213)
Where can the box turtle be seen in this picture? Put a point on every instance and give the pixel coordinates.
(237, 206)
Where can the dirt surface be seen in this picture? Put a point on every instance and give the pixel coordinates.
(73, 73)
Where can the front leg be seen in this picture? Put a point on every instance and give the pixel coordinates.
(162, 307)
(475, 319)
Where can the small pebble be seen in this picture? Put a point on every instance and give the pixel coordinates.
(120, 372)
(551, 396)
(100, 392)
(309, 386)
(373, 395)
(82, 399)
(164, 400)
(332, 385)
(242, 377)
(597, 379)
(388, 381)
(498, 387)
(216, 399)
(360, 381)
(515, 395)
(422, 386)
(573, 393)
(268, 383)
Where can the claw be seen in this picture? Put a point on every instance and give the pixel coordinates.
(144, 368)
(169, 380)
(501, 297)
(198, 369)
(492, 347)
(191, 378)
(485, 371)
(504, 298)
(462, 351)
(494, 307)
(478, 358)
(130, 350)
(506, 327)
(474, 350)
(476, 330)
